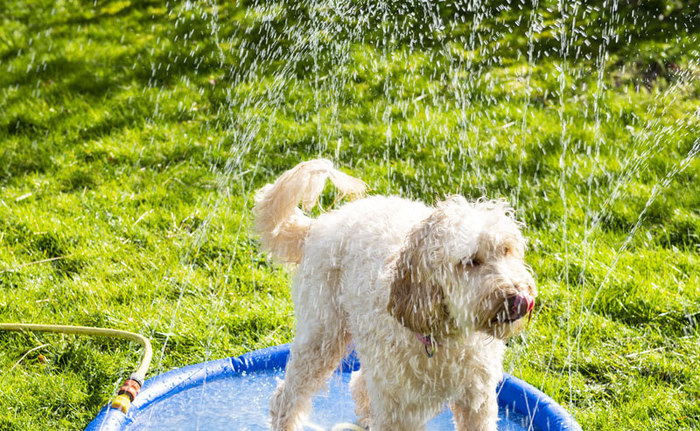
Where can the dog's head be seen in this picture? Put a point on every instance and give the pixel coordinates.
(462, 270)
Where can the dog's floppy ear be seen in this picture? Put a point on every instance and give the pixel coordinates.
(416, 299)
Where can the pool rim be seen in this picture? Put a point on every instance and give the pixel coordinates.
(514, 393)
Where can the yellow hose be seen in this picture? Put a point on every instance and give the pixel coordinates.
(123, 400)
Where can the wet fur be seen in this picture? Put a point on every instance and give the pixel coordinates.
(377, 271)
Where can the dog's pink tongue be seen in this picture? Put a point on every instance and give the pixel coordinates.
(522, 305)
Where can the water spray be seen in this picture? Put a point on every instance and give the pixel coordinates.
(131, 386)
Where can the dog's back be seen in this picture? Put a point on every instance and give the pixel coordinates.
(363, 233)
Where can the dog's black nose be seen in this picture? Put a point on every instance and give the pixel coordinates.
(517, 306)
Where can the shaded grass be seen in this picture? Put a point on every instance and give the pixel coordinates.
(133, 134)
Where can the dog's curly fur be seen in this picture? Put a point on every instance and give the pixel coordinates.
(388, 274)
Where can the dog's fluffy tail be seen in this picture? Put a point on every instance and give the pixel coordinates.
(282, 226)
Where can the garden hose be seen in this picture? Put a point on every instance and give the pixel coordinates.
(131, 385)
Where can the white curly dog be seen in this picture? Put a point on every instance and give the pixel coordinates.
(427, 295)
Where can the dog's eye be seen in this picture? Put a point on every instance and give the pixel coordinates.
(470, 262)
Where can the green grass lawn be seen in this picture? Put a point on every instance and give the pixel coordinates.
(133, 135)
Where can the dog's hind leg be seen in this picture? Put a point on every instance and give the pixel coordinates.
(317, 350)
(358, 386)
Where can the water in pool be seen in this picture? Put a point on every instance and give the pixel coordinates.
(241, 403)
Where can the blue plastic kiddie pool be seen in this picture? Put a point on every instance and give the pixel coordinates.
(234, 393)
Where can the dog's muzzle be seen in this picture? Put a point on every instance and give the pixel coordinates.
(514, 308)
(518, 306)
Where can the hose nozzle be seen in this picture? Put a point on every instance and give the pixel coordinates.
(130, 388)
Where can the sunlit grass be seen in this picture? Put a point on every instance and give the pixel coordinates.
(131, 145)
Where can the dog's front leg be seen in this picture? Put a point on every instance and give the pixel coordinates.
(394, 418)
(389, 412)
(470, 417)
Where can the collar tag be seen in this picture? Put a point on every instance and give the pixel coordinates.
(428, 343)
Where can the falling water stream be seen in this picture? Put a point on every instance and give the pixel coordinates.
(427, 65)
